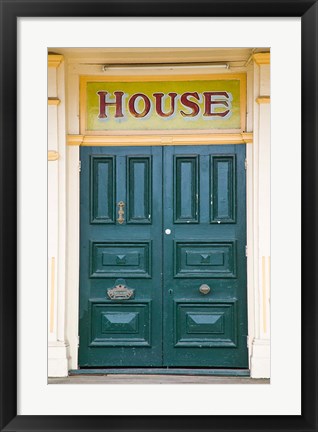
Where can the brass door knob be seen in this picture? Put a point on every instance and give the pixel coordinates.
(204, 289)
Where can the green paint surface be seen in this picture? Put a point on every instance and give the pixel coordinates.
(198, 193)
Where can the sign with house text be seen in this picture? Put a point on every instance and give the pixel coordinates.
(211, 103)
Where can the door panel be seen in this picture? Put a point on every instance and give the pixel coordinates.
(185, 198)
(206, 246)
(116, 330)
(151, 297)
(205, 259)
(120, 325)
(102, 197)
(206, 324)
(139, 187)
(223, 188)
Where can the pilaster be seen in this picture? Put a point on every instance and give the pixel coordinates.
(260, 349)
(57, 345)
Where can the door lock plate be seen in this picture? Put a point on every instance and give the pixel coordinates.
(120, 291)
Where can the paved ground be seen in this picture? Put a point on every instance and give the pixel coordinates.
(154, 379)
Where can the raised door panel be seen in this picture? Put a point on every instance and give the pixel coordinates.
(186, 189)
(139, 188)
(120, 325)
(102, 195)
(223, 189)
(206, 324)
(205, 259)
(119, 259)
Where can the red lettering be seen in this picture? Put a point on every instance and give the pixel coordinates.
(190, 104)
(131, 105)
(209, 102)
(103, 104)
(158, 97)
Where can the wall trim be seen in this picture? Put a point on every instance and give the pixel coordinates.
(53, 101)
(160, 140)
(52, 302)
(261, 357)
(262, 58)
(52, 155)
(54, 60)
(58, 359)
(263, 99)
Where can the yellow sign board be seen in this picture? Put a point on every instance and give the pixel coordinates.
(211, 103)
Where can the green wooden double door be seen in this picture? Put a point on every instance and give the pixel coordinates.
(162, 257)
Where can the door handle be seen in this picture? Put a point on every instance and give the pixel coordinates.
(121, 212)
(204, 289)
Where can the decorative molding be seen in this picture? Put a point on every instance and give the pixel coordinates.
(264, 295)
(53, 101)
(263, 99)
(163, 77)
(152, 140)
(58, 359)
(260, 359)
(262, 58)
(52, 294)
(54, 60)
(247, 137)
(74, 140)
(52, 155)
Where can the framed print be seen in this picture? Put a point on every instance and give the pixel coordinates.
(158, 184)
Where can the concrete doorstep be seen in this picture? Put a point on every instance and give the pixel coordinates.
(154, 379)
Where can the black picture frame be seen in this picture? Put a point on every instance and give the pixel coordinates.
(10, 10)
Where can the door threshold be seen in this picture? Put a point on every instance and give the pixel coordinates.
(162, 371)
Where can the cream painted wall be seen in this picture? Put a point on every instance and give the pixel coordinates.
(64, 222)
(57, 345)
